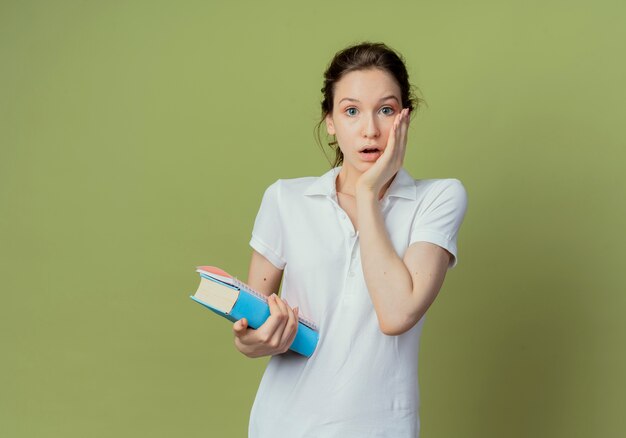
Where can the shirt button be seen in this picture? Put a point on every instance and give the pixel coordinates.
(343, 216)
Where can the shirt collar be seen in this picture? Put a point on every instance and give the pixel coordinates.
(402, 186)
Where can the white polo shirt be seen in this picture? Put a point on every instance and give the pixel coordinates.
(359, 382)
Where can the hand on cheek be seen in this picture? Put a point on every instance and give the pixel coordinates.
(392, 158)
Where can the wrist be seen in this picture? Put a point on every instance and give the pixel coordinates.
(365, 193)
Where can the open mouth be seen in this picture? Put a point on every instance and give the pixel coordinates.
(370, 153)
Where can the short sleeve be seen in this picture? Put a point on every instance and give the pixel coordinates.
(441, 217)
(267, 233)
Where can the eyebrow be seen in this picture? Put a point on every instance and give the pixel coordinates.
(382, 99)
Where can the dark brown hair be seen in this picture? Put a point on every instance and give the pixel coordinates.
(363, 56)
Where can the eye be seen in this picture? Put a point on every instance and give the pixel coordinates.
(350, 109)
(388, 108)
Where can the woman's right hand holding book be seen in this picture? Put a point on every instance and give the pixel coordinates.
(276, 334)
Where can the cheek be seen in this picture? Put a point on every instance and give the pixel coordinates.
(386, 130)
(344, 131)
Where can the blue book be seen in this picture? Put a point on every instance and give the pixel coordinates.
(233, 300)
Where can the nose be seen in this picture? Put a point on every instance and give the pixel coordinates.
(370, 127)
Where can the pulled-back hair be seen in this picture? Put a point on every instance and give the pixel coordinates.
(363, 56)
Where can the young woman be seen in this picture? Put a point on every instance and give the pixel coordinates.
(362, 250)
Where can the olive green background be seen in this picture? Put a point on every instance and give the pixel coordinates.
(137, 138)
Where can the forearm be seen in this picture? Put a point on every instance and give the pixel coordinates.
(388, 279)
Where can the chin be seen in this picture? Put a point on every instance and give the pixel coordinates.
(360, 166)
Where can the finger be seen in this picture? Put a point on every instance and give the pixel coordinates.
(239, 344)
(399, 119)
(296, 313)
(284, 317)
(280, 303)
(275, 312)
(393, 135)
(291, 328)
(402, 122)
(239, 327)
(268, 328)
(242, 332)
(404, 127)
(394, 138)
(407, 121)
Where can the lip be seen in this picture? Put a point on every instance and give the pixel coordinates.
(371, 146)
(370, 156)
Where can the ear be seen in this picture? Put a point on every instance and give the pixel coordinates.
(330, 126)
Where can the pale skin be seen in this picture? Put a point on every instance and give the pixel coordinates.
(401, 289)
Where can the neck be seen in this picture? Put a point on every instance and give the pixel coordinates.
(346, 182)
